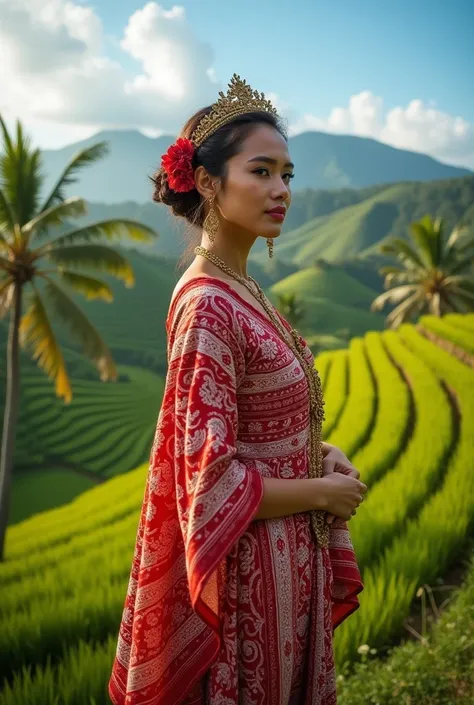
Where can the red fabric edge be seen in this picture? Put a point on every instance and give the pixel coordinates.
(200, 607)
(341, 610)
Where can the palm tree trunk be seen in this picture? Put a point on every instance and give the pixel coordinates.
(10, 415)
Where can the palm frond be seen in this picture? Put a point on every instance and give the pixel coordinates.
(411, 306)
(7, 220)
(117, 229)
(463, 300)
(94, 346)
(391, 269)
(398, 275)
(404, 252)
(456, 302)
(20, 171)
(462, 291)
(463, 265)
(54, 216)
(81, 159)
(393, 296)
(7, 140)
(5, 265)
(408, 277)
(456, 234)
(87, 286)
(4, 241)
(428, 236)
(7, 290)
(462, 237)
(37, 334)
(96, 257)
(462, 280)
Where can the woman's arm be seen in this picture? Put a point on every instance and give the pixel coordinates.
(283, 497)
(335, 493)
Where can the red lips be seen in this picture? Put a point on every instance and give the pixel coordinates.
(278, 213)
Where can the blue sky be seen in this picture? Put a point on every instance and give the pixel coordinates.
(317, 54)
(399, 73)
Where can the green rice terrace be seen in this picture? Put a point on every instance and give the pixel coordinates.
(399, 403)
(62, 450)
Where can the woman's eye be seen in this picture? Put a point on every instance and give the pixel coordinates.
(285, 176)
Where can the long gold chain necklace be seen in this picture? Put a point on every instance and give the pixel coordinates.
(320, 527)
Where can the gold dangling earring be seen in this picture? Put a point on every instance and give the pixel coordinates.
(211, 221)
(270, 246)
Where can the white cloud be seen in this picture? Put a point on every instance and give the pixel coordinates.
(53, 67)
(57, 78)
(36, 34)
(417, 127)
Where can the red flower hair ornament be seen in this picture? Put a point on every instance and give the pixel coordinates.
(178, 165)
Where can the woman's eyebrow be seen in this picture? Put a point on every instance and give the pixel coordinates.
(269, 160)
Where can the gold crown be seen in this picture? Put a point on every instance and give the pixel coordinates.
(240, 99)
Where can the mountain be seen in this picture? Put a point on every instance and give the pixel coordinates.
(322, 161)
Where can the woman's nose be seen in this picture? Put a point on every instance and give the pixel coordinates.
(281, 191)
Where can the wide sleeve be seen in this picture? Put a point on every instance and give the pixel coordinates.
(199, 499)
(217, 493)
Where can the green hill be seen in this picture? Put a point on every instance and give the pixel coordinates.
(332, 300)
(398, 405)
(326, 281)
(357, 230)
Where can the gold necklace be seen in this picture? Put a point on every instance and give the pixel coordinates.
(318, 517)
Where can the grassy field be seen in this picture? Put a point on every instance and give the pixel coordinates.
(399, 405)
(435, 669)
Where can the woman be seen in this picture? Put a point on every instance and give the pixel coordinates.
(243, 563)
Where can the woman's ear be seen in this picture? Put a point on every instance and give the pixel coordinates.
(206, 184)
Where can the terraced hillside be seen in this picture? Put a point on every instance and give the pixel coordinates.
(398, 404)
(407, 424)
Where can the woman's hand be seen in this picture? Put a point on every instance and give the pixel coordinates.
(334, 460)
(341, 495)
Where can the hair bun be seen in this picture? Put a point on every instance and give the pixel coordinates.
(184, 205)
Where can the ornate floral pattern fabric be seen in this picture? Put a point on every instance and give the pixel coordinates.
(222, 609)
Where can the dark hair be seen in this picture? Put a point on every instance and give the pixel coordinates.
(213, 155)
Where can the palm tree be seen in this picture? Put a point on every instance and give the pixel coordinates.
(435, 275)
(290, 308)
(27, 246)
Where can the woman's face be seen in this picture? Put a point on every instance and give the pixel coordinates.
(258, 180)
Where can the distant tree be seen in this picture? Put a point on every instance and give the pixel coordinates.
(322, 263)
(30, 253)
(435, 275)
(290, 308)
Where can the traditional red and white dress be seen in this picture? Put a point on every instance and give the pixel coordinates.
(222, 609)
